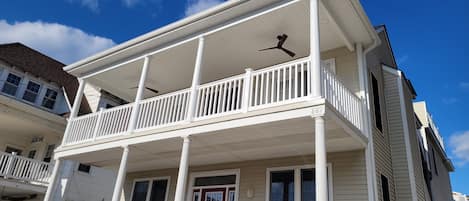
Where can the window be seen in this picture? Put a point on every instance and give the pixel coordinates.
(214, 185)
(282, 184)
(49, 152)
(84, 168)
(385, 188)
(11, 84)
(32, 154)
(150, 189)
(31, 92)
(434, 162)
(376, 103)
(12, 149)
(49, 99)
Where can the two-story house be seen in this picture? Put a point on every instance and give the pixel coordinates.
(273, 100)
(34, 104)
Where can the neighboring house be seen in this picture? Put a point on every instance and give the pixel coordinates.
(203, 115)
(436, 163)
(460, 197)
(34, 94)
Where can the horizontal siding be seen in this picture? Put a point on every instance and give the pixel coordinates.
(397, 142)
(348, 174)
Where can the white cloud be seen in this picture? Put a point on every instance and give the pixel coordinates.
(195, 6)
(464, 85)
(450, 100)
(459, 142)
(130, 3)
(93, 5)
(64, 43)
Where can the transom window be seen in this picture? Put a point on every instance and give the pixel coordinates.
(214, 186)
(11, 84)
(154, 189)
(283, 182)
(31, 92)
(49, 99)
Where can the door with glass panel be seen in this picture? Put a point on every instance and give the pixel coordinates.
(155, 189)
(214, 188)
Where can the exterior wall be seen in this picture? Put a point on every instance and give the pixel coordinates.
(346, 66)
(348, 175)
(440, 183)
(93, 95)
(381, 143)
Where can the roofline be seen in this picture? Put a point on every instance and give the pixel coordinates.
(158, 32)
(366, 21)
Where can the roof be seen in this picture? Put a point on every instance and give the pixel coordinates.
(26, 59)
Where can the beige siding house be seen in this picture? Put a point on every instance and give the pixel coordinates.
(294, 100)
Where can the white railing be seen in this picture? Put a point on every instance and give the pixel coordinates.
(343, 100)
(163, 110)
(220, 97)
(24, 169)
(281, 83)
(435, 131)
(277, 85)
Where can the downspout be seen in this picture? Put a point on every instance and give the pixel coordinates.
(369, 154)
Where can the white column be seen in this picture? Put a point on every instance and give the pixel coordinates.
(121, 175)
(246, 89)
(315, 52)
(53, 180)
(195, 80)
(78, 97)
(138, 97)
(183, 170)
(321, 161)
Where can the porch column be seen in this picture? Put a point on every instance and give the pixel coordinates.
(315, 52)
(195, 80)
(138, 97)
(121, 175)
(183, 170)
(53, 180)
(75, 107)
(321, 161)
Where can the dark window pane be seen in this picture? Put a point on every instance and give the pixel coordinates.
(11, 84)
(376, 103)
(308, 185)
(140, 191)
(158, 190)
(84, 168)
(217, 180)
(49, 99)
(282, 185)
(385, 188)
(31, 92)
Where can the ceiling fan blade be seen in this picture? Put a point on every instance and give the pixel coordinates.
(292, 54)
(152, 90)
(281, 40)
(270, 48)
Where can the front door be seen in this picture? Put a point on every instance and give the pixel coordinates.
(214, 194)
(220, 187)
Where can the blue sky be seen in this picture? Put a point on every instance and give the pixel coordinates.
(429, 39)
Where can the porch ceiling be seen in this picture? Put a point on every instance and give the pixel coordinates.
(278, 139)
(228, 52)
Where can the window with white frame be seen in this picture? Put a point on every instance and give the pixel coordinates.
(284, 182)
(214, 186)
(31, 92)
(151, 189)
(11, 84)
(49, 99)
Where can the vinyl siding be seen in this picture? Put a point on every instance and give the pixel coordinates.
(441, 185)
(348, 175)
(346, 66)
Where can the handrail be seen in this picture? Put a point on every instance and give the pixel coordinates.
(24, 169)
(436, 131)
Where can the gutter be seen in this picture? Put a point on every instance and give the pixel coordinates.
(156, 33)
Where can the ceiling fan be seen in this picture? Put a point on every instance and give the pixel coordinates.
(149, 89)
(281, 40)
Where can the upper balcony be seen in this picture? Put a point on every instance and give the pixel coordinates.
(208, 68)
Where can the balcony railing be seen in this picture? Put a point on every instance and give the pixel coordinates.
(435, 131)
(269, 87)
(24, 169)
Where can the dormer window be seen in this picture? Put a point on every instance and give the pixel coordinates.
(31, 92)
(49, 99)
(11, 84)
